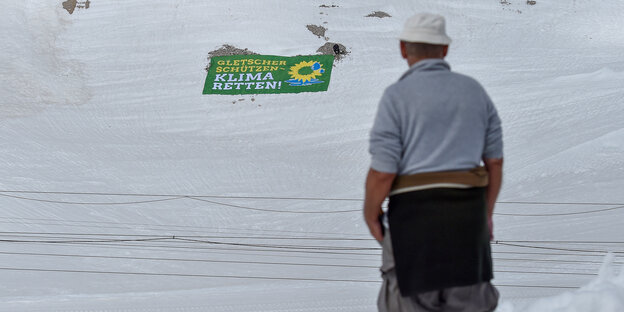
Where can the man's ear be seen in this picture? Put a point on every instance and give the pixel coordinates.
(403, 49)
(445, 51)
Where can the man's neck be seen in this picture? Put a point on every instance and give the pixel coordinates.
(413, 60)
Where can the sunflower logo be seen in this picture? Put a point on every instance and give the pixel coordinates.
(305, 73)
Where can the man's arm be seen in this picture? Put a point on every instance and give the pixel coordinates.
(494, 167)
(378, 186)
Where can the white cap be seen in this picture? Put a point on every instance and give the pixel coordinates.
(425, 28)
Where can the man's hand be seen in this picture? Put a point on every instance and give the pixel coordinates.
(378, 186)
(375, 228)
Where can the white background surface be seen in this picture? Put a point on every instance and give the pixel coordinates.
(108, 101)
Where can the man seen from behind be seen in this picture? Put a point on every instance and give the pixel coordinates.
(437, 153)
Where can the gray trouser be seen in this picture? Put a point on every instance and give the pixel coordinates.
(481, 297)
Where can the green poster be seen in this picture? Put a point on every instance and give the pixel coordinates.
(262, 74)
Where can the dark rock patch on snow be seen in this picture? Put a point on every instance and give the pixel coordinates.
(338, 50)
(227, 50)
(71, 5)
(319, 31)
(379, 14)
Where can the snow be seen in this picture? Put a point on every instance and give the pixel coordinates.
(602, 294)
(30, 59)
(102, 111)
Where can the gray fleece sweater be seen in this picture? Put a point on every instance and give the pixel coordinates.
(433, 120)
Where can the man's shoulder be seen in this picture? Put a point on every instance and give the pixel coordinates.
(450, 77)
(466, 78)
(392, 90)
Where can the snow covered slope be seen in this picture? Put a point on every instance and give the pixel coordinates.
(123, 188)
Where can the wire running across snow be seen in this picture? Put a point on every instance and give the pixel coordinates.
(204, 198)
(260, 247)
(138, 242)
